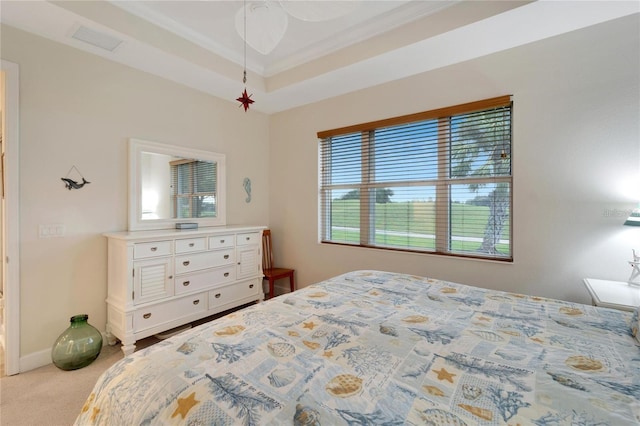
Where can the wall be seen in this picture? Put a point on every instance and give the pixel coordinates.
(576, 143)
(78, 109)
(2, 216)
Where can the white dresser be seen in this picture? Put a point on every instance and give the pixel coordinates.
(158, 280)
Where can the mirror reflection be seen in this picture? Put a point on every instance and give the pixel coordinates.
(171, 184)
(177, 188)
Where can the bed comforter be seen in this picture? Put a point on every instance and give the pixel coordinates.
(373, 347)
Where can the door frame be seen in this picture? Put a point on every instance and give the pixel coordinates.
(11, 234)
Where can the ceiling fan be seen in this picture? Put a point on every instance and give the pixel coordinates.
(267, 21)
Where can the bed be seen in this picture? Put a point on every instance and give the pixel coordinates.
(371, 347)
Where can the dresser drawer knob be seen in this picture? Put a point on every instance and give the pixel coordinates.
(226, 256)
(195, 302)
(250, 285)
(217, 296)
(226, 274)
(146, 316)
(248, 238)
(170, 277)
(191, 244)
(186, 263)
(154, 248)
(186, 283)
(221, 241)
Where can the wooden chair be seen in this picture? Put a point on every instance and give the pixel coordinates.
(270, 271)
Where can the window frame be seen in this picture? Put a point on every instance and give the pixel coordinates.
(443, 183)
(191, 195)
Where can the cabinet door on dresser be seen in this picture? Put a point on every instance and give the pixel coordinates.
(152, 279)
(247, 255)
(247, 262)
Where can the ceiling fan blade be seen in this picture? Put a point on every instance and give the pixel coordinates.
(265, 26)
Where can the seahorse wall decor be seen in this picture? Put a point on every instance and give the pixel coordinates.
(247, 187)
(73, 184)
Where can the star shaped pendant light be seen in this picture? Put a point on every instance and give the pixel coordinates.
(245, 99)
(268, 21)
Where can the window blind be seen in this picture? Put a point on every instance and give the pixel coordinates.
(438, 182)
(193, 185)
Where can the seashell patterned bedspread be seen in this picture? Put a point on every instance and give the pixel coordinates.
(377, 348)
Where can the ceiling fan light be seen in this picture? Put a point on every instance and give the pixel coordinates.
(319, 10)
(265, 27)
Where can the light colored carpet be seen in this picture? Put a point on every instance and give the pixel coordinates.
(48, 396)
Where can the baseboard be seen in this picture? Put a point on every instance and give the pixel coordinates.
(41, 358)
(278, 289)
(35, 360)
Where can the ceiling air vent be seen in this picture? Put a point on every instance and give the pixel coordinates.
(95, 38)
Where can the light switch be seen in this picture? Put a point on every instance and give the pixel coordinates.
(43, 231)
(60, 230)
(51, 230)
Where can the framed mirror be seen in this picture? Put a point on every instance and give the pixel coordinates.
(171, 184)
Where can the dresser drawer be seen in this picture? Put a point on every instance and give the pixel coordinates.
(161, 313)
(221, 241)
(250, 238)
(201, 280)
(190, 245)
(210, 259)
(154, 249)
(229, 294)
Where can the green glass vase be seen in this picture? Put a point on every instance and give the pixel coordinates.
(78, 346)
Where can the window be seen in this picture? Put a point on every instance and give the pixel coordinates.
(193, 188)
(437, 182)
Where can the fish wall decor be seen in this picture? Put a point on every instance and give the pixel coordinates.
(74, 184)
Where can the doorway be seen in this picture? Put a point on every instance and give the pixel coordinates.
(9, 224)
(2, 332)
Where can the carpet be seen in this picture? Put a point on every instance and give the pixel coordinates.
(48, 396)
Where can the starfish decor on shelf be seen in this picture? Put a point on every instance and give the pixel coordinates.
(245, 100)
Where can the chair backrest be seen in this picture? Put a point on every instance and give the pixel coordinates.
(267, 251)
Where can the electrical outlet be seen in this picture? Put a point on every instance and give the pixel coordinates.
(51, 230)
